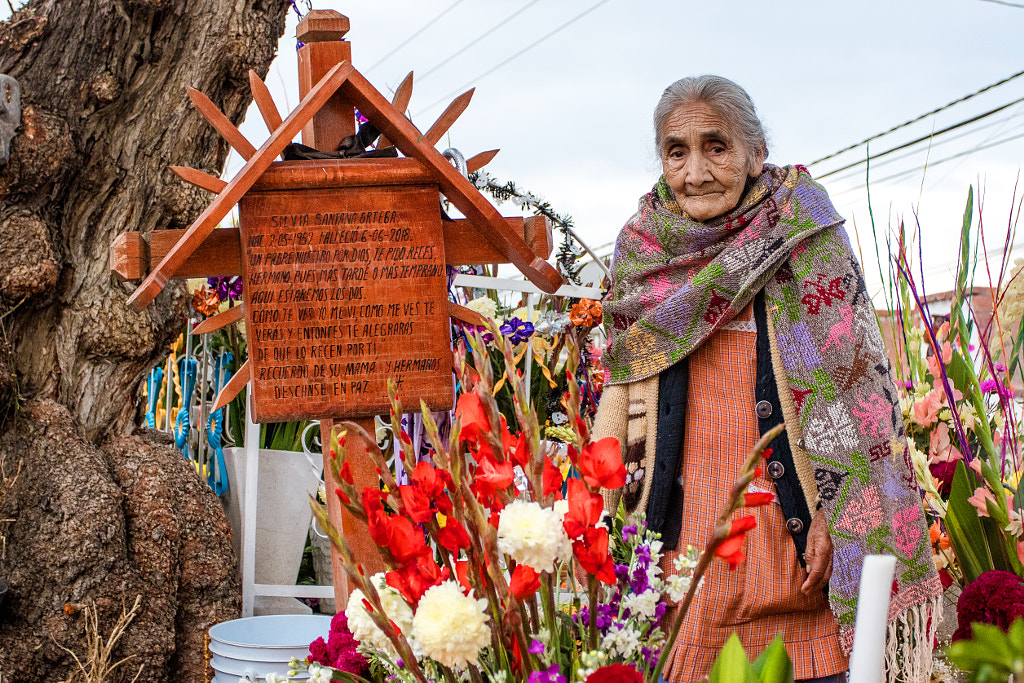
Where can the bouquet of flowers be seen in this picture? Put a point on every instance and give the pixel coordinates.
(489, 581)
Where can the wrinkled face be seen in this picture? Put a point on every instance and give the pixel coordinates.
(705, 163)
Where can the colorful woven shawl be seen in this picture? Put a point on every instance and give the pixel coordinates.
(676, 281)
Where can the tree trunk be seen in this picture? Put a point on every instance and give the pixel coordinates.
(102, 513)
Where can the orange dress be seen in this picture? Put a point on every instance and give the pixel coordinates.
(761, 597)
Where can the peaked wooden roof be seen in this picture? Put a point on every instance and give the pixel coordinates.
(347, 81)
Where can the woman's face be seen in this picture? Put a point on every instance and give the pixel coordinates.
(705, 163)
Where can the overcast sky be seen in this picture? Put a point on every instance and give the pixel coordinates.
(572, 113)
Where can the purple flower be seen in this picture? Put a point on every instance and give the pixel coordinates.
(628, 532)
(991, 386)
(999, 367)
(226, 287)
(549, 676)
(516, 330)
(536, 647)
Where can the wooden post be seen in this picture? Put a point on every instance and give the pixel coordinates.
(322, 31)
(365, 474)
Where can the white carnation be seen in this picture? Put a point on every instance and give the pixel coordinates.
(395, 608)
(485, 306)
(450, 626)
(533, 535)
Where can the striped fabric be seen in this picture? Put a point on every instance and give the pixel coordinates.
(762, 597)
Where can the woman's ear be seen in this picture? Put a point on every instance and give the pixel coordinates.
(757, 163)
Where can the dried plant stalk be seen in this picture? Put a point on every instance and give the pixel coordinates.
(97, 667)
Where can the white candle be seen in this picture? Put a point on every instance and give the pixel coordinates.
(868, 658)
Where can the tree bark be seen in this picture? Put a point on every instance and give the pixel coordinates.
(102, 512)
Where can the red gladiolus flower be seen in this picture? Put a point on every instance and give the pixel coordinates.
(431, 483)
(345, 472)
(591, 552)
(453, 536)
(601, 464)
(491, 477)
(615, 673)
(416, 504)
(342, 496)
(574, 456)
(406, 540)
(519, 452)
(462, 574)
(427, 479)
(373, 500)
(552, 479)
(470, 410)
(757, 499)
(380, 527)
(525, 582)
(414, 578)
(584, 509)
(731, 549)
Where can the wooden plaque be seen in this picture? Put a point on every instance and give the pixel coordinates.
(344, 288)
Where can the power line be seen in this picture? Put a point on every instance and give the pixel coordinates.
(416, 33)
(924, 138)
(479, 38)
(1003, 2)
(935, 163)
(918, 118)
(944, 141)
(516, 55)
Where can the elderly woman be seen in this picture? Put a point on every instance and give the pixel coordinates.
(737, 304)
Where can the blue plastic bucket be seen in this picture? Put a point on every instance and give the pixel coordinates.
(251, 648)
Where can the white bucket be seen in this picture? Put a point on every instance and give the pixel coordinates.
(250, 648)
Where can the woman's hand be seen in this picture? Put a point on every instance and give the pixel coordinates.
(818, 555)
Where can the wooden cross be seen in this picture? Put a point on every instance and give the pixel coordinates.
(342, 260)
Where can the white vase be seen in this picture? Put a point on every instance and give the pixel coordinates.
(283, 515)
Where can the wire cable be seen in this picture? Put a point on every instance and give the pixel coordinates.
(1007, 4)
(515, 56)
(478, 39)
(932, 145)
(420, 31)
(935, 163)
(918, 118)
(923, 138)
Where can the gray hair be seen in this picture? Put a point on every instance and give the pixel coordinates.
(727, 98)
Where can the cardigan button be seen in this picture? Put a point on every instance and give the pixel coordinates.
(795, 525)
(776, 469)
(763, 409)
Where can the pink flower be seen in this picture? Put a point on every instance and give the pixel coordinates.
(976, 466)
(933, 361)
(982, 496)
(939, 447)
(926, 411)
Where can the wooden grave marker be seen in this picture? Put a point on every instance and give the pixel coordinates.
(343, 260)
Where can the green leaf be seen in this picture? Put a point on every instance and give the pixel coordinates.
(773, 665)
(964, 527)
(956, 370)
(732, 665)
